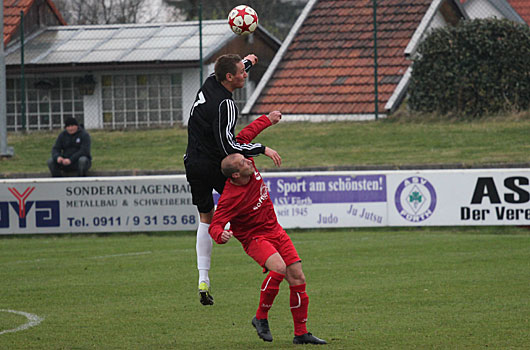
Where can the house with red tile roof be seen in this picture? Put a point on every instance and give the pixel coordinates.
(513, 10)
(37, 14)
(325, 67)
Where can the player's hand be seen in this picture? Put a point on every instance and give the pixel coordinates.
(66, 161)
(275, 117)
(272, 154)
(60, 160)
(226, 235)
(252, 58)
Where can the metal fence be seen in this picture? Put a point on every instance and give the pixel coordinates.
(128, 76)
(111, 77)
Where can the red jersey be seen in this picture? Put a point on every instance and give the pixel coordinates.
(248, 208)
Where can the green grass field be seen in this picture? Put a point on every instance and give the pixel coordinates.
(429, 288)
(392, 142)
(384, 288)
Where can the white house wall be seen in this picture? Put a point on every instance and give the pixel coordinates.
(438, 21)
(481, 9)
(190, 86)
(92, 109)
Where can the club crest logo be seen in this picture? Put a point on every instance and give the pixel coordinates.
(415, 199)
(263, 190)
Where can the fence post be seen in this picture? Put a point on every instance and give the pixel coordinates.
(22, 76)
(5, 151)
(200, 41)
(376, 84)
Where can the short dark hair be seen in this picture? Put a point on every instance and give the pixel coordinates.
(226, 64)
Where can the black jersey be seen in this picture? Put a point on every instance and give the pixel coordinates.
(212, 124)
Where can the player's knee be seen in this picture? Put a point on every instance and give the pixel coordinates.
(275, 263)
(294, 274)
(279, 268)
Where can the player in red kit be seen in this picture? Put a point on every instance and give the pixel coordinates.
(246, 204)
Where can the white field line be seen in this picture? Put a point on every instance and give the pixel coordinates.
(119, 255)
(33, 320)
(91, 257)
(23, 261)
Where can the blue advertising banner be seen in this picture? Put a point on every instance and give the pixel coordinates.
(328, 200)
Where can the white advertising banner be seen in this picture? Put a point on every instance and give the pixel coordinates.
(459, 197)
(402, 198)
(302, 200)
(104, 204)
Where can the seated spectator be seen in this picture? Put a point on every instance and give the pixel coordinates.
(71, 151)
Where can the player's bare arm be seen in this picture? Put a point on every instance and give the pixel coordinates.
(272, 154)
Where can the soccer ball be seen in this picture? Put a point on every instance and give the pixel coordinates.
(243, 20)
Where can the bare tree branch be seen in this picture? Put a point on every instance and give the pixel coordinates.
(102, 11)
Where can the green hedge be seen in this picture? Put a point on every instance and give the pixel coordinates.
(479, 67)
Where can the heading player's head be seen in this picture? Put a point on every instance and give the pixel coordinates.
(236, 166)
(230, 71)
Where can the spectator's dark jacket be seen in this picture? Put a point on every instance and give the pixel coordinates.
(72, 146)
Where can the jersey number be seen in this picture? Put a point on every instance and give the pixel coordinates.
(199, 101)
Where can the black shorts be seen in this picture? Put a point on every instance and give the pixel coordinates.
(204, 176)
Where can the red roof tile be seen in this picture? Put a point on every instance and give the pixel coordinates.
(522, 7)
(328, 67)
(12, 10)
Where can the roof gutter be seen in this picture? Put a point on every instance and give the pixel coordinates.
(278, 57)
(426, 21)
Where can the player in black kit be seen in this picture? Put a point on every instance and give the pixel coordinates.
(211, 127)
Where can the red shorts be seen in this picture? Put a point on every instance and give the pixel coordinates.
(261, 248)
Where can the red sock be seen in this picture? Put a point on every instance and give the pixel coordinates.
(269, 289)
(299, 302)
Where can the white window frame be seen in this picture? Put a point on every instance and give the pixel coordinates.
(120, 91)
(35, 117)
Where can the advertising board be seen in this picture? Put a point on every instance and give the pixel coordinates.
(301, 199)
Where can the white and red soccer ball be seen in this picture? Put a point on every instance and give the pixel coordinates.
(243, 20)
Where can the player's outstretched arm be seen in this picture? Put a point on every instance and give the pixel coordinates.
(272, 154)
(253, 129)
(223, 126)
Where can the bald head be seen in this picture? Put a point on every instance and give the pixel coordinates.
(237, 168)
(229, 165)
